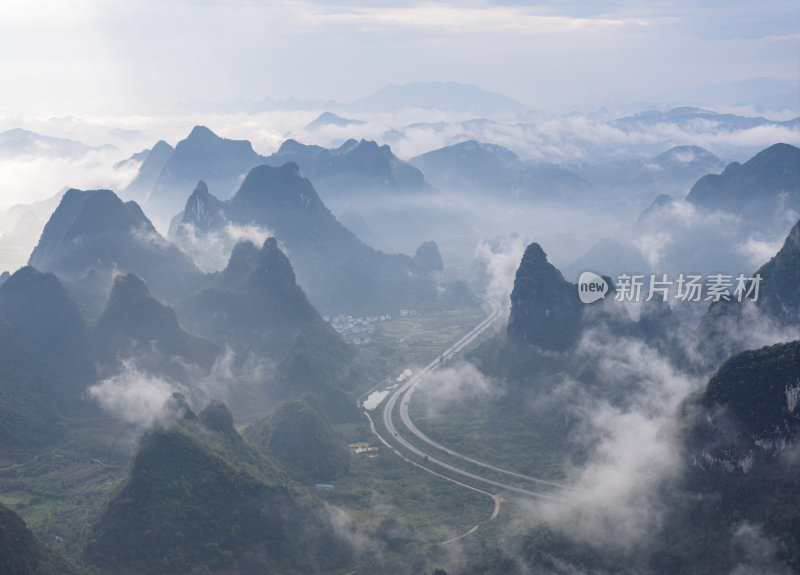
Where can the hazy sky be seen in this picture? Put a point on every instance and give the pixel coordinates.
(95, 56)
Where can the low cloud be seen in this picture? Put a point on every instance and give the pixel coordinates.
(760, 553)
(501, 258)
(211, 251)
(633, 450)
(136, 397)
(461, 383)
(31, 179)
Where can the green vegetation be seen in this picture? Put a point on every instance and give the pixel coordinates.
(22, 554)
(412, 341)
(298, 437)
(740, 439)
(199, 498)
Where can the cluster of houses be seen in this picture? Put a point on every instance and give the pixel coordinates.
(358, 330)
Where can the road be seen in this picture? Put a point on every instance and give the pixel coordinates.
(403, 394)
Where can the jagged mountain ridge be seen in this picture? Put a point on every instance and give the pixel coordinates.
(337, 271)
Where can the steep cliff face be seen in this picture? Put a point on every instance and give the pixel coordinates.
(545, 309)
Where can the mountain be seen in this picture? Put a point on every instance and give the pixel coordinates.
(429, 258)
(19, 142)
(153, 162)
(495, 172)
(204, 210)
(337, 271)
(767, 182)
(438, 95)
(30, 418)
(608, 257)
(135, 324)
(255, 303)
(45, 319)
(197, 498)
(726, 325)
(688, 118)
(49, 329)
(672, 172)
(202, 155)
(256, 307)
(743, 93)
(22, 554)
(330, 119)
(739, 437)
(545, 309)
(298, 437)
(94, 232)
(20, 226)
(389, 194)
(355, 171)
(659, 202)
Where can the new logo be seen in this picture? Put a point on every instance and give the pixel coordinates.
(591, 287)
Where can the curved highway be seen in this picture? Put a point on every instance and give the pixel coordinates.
(403, 394)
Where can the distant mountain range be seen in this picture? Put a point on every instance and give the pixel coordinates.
(444, 96)
(354, 172)
(330, 119)
(438, 95)
(167, 176)
(18, 142)
(634, 183)
(388, 194)
(689, 118)
(498, 173)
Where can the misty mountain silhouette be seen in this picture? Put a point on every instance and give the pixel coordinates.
(47, 327)
(335, 269)
(154, 161)
(202, 155)
(686, 116)
(256, 303)
(767, 182)
(429, 258)
(498, 173)
(331, 119)
(438, 95)
(136, 324)
(94, 231)
(44, 317)
(19, 142)
(355, 171)
(203, 210)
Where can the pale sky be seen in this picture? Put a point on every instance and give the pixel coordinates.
(136, 56)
